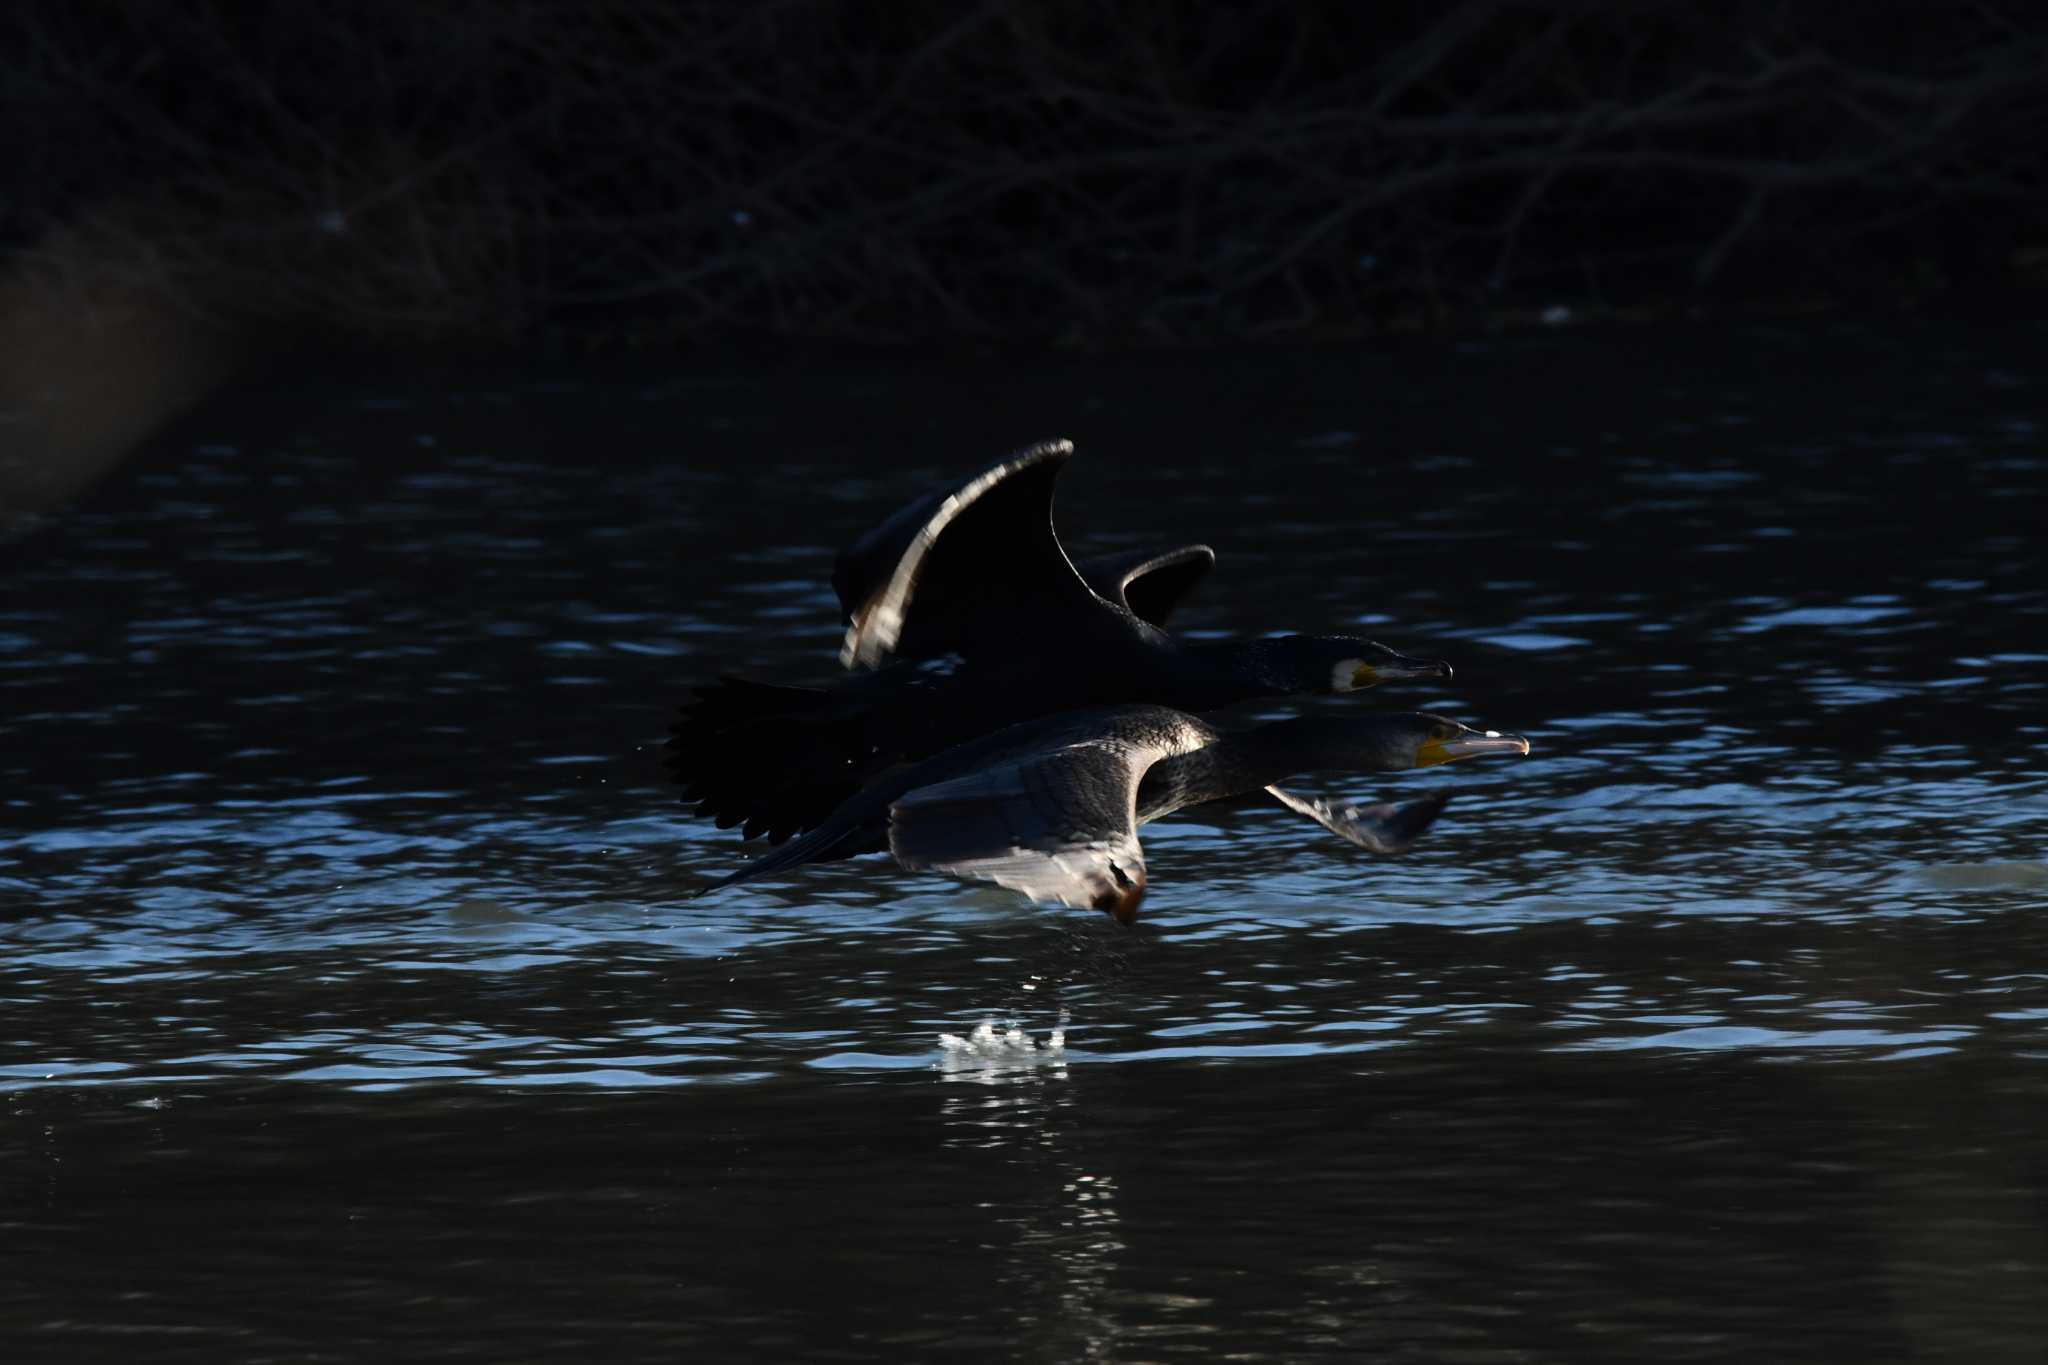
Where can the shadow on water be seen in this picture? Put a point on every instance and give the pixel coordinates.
(353, 999)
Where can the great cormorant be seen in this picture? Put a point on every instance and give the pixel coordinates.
(964, 614)
(1052, 807)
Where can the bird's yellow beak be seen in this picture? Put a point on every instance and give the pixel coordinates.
(1468, 745)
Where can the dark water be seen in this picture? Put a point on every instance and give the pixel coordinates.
(351, 1002)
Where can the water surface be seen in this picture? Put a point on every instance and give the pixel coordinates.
(354, 1001)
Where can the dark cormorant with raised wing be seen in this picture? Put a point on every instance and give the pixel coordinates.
(964, 614)
(1052, 807)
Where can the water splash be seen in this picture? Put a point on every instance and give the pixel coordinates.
(991, 1048)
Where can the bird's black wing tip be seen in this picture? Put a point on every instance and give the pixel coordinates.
(1412, 818)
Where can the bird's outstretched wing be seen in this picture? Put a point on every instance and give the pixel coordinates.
(1385, 829)
(835, 838)
(957, 568)
(1149, 585)
(1058, 825)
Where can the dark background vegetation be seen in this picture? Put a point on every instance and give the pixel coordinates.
(1086, 172)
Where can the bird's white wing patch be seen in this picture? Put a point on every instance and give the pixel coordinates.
(1102, 875)
(1058, 826)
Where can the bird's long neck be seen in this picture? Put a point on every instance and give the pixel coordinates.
(1283, 748)
(1220, 672)
(1250, 759)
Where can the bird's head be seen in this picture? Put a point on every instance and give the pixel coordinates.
(1436, 739)
(1380, 741)
(1344, 663)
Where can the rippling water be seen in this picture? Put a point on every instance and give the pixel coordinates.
(354, 999)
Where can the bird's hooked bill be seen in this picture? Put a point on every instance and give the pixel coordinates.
(1486, 742)
(1470, 744)
(1398, 668)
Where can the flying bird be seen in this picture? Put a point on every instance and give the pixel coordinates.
(965, 614)
(1052, 807)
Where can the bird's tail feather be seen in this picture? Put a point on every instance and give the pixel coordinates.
(772, 759)
(821, 843)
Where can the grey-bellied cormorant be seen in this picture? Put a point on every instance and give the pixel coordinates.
(1052, 807)
(965, 615)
